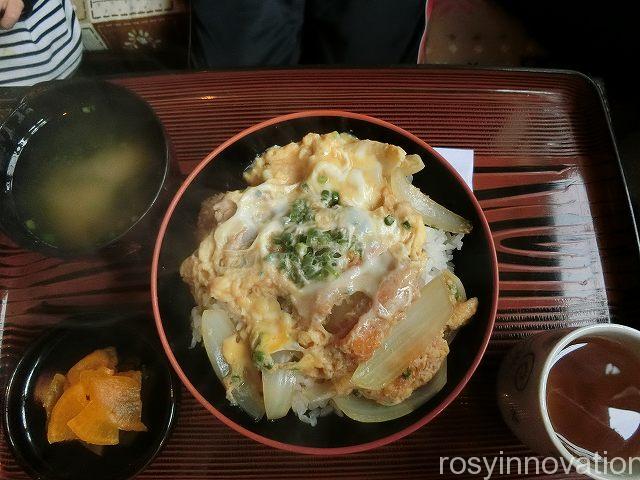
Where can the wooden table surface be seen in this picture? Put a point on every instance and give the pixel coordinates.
(547, 177)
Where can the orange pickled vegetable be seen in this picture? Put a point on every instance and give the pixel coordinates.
(49, 393)
(135, 374)
(106, 357)
(92, 425)
(86, 377)
(120, 396)
(70, 404)
(93, 402)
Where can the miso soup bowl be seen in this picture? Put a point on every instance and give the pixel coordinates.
(221, 171)
(40, 108)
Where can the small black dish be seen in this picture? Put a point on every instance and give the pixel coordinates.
(56, 351)
(83, 119)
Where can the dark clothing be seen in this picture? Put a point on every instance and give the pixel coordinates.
(26, 9)
(232, 33)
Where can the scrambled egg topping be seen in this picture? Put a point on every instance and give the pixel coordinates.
(315, 260)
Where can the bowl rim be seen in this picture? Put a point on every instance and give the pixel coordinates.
(288, 446)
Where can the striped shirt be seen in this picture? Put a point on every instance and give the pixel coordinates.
(44, 46)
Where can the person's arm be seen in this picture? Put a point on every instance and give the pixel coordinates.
(13, 10)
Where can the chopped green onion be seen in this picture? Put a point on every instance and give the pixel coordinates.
(271, 257)
(301, 249)
(389, 219)
(262, 360)
(330, 198)
(31, 225)
(312, 254)
(406, 224)
(300, 212)
(406, 374)
(284, 240)
(322, 179)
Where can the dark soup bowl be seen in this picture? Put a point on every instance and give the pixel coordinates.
(82, 164)
(222, 170)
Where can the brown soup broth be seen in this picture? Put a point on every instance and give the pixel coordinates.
(83, 180)
(593, 397)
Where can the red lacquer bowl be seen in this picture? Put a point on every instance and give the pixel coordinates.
(222, 170)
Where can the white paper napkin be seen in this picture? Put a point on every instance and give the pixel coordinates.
(461, 159)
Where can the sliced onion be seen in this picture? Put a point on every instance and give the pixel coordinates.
(277, 389)
(216, 327)
(412, 164)
(411, 336)
(460, 292)
(248, 399)
(282, 356)
(369, 411)
(288, 353)
(317, 394)
(433, 214)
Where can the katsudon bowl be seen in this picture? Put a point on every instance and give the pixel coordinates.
(221, 171)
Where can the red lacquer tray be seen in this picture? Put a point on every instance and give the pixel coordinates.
(546, 174)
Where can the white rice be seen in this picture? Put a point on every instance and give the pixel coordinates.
(301, 409)
(439, 247)
(307, 408)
